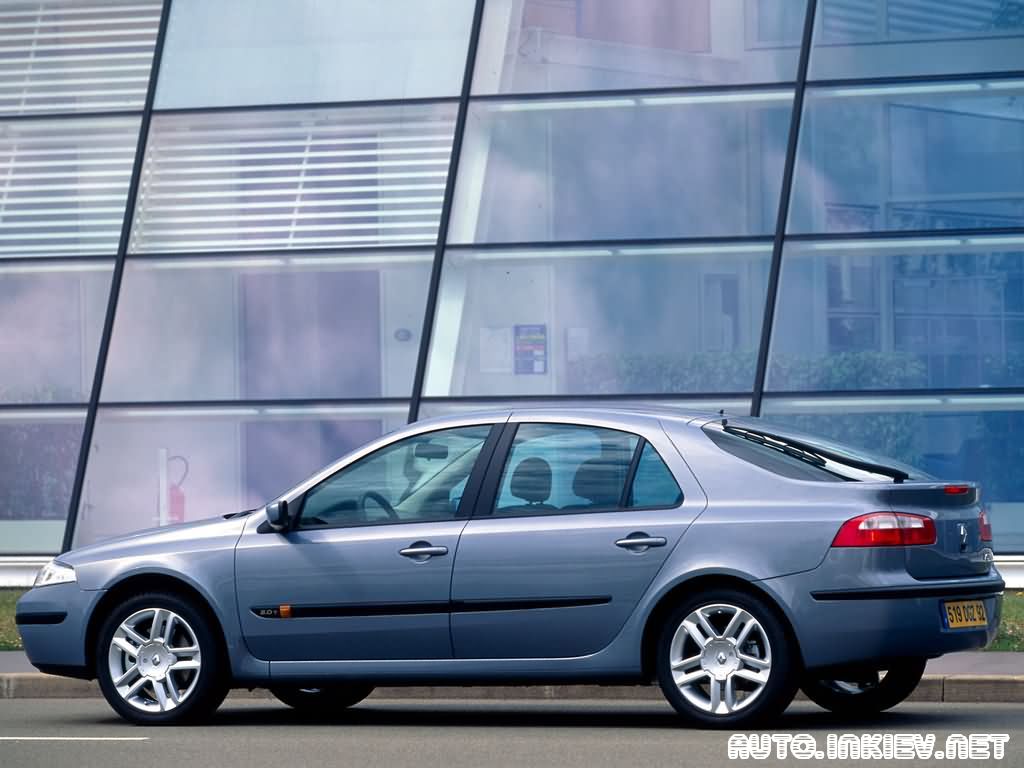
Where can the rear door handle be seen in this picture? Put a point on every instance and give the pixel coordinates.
(422, 551)
(641, 542)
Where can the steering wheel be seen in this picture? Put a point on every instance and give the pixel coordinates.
(383, 502)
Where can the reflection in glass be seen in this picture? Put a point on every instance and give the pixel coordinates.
(926, 156)
(63, 185)
(40, 453)
(952, 437)
(305, 51)
(294, 178)
(602, 320)
(267, 327)
(90, 55)
(879, 38)
(583, 45)
(51, 317)
(921, 313)
(157, 466)
(654, 166)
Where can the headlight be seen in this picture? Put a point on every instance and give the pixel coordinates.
(54, 573)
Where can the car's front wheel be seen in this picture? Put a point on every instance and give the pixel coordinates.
(724, 660)
(867, 693)
(324, 700)
(158, 661)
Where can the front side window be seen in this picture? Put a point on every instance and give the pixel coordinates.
(416, 480)
(557, 468)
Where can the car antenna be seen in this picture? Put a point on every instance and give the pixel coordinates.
(725, 421)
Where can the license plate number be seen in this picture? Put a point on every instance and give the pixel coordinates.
(965, 613)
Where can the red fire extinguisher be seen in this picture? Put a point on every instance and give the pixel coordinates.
(170, 496)
(175, 494)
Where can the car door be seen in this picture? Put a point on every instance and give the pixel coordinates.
(574, 521)
(365, 571)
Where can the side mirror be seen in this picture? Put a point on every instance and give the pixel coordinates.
(277, 515)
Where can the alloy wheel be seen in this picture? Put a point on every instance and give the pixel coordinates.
(720, 658)
(154, 660)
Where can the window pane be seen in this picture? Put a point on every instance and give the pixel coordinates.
(51, 317)
(928, 156)
(305, 51)
(879, 38)
(976, 438)
(63, 185)
(417, 480)
(40, 455)
(598, 320)
(268, 327)
(555, 468)
(89, 55)
(156, 466)
(943, 313)
(583, 45)
(294, 178)
(653, 484)
(597, 168)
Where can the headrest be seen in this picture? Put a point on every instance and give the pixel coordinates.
(531, 480)
(599, 481)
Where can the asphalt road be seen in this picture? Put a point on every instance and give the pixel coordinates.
(474, 734)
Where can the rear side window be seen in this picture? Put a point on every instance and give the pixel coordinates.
(653, 483)
(555, 468)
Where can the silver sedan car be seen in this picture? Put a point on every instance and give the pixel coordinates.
(729, 560)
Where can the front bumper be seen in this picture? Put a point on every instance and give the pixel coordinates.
(872, 623)
(53, 622)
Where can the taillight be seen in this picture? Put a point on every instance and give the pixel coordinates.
(956, 490)
(886, 529)
(985, 526)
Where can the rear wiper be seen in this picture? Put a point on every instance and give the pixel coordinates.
(815, 454)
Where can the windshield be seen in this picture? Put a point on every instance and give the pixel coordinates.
(800, 456)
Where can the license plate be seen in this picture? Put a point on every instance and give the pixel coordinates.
(965, 613)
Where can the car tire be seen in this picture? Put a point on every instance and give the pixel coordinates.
(736, 668)
(324, 700)
(868, 695)
(159, 661)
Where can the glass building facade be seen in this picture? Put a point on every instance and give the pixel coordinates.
(240, 237)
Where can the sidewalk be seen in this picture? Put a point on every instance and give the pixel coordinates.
(959, 677)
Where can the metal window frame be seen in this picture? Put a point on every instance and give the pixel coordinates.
(416, 398)
(115, 280)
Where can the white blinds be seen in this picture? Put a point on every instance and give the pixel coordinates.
(63, 185)
(73, 56)
(345, 177)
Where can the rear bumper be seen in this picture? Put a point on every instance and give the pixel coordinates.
(853, 625)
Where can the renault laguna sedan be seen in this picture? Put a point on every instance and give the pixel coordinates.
(731, 561)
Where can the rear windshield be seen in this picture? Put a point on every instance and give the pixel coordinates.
(802, 457)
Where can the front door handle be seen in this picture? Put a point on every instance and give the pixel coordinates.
(421, 551)
(641, 542)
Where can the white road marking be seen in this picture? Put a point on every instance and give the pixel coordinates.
(74, 738)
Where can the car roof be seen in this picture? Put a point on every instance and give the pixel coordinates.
(623, 413)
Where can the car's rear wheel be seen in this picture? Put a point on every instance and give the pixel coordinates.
(867, 693)
(158, 661)
(725, 660)
(323, 700)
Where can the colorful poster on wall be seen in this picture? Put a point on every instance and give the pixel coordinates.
(531, 348)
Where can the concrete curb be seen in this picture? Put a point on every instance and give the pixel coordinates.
(1006, 689)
